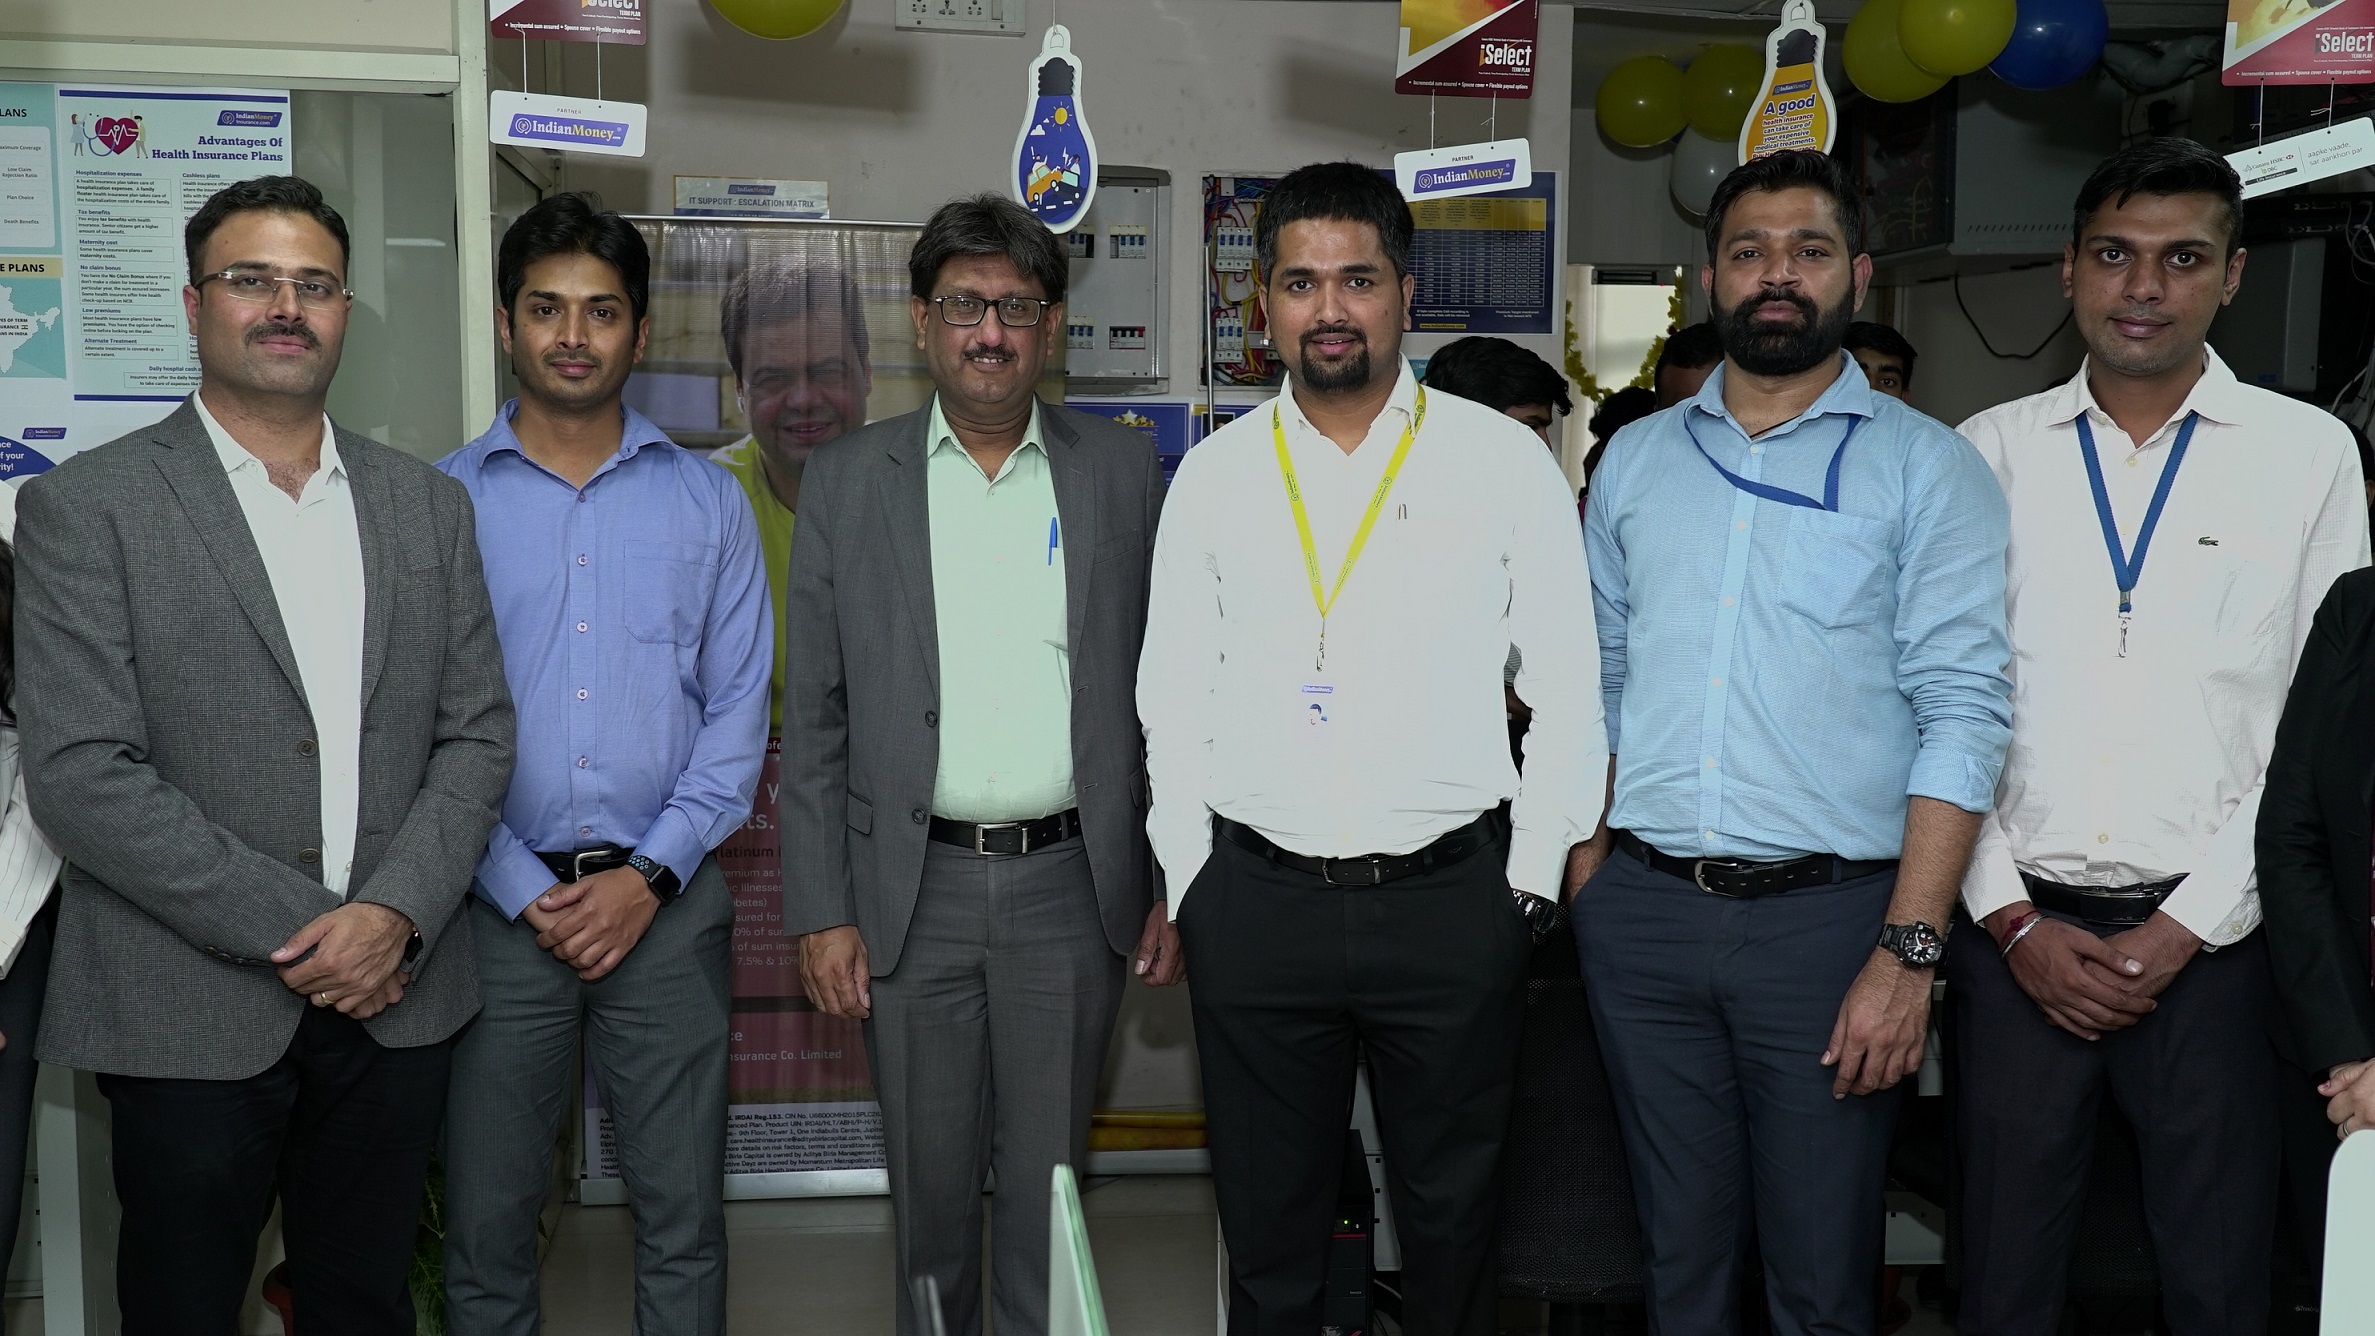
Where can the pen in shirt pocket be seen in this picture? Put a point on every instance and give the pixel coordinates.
(1051, 540)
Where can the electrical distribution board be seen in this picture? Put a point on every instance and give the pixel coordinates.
(1114, 313)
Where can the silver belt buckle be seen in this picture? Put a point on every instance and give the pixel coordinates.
(981, 833)
(577, 861)
(1699, 868)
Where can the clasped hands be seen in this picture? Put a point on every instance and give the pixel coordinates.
(351, 958)
(2091, 985)
(592, 923)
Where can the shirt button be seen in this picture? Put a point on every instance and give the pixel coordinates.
(918, 816)
(1729, 600)
(2102, 839)
(1708, 833)
(581, 558)
(309, 855)
(585, 830)
(931, 718)
(582, 763)
(581, 626)
(1740, 524)
(1715, 681)
(307, 747)
(581, 693)
(581, 498)
(1756, 449)
(1708, 761)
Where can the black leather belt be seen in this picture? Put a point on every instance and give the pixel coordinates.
(1008, 837)
(1372, 869)
(1740, 879)
(2111, 906)
(581, 863)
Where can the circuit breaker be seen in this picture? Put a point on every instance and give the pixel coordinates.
(1115, 311)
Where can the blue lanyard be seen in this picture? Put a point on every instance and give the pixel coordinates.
(1830, 484)
(2125, 568)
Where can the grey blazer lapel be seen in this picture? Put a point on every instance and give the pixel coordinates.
(1076, 508)
(195, 473)
(374, 517)
(907, 508)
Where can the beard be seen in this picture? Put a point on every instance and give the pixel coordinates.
(1763, 348)
(1349, 373)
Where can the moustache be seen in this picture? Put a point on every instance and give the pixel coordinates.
(280, 329)
(1799, 300)
(1326, 331)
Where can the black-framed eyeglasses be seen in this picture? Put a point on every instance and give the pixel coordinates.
(1013, 312)
(254, 285)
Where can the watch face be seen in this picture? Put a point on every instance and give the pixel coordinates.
(1917, 944)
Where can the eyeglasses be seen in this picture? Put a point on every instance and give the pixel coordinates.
(1013, 312)
(250, 285)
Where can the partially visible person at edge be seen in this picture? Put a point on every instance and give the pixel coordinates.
(1886, 357)
(261, 944)
(1689, 356)
(633, 614)
(1800, 586)
(2121, 958)
(795, 336)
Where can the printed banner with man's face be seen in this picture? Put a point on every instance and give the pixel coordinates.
(2299, 42)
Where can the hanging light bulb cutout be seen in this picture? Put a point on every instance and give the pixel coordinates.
(1055, 156)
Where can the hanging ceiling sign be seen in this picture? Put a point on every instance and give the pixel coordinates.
(619, 22)
(571, 124)
(1055, 156)
(2299, 42)
(1469, 48)
(1464, 169)
(1794, 107)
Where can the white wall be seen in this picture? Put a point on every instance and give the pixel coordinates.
(1956, 376)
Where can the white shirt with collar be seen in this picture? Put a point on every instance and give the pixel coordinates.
(2136, 769)
(1476, 548)
(314, 554)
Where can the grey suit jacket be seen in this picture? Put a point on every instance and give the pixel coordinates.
(168, 751)
(862, 692)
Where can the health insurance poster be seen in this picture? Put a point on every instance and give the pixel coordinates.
(95, 184)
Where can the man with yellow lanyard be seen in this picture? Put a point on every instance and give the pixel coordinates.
(796, 338)
(1351, 857)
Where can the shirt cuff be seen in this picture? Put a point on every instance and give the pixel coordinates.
(511, 877)
(2218, 915)
(1953, 777)
(1537, 863)
(674, 844)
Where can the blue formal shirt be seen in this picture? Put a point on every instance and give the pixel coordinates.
(637, 639)
(1779, 678)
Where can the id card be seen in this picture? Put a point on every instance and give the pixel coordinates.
(1319, 705)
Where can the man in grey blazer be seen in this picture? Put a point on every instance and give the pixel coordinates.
(964, 791)
(265, 723)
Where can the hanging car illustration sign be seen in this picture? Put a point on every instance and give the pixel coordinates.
(1055, 156)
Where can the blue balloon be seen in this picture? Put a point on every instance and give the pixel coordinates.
(2053, 43)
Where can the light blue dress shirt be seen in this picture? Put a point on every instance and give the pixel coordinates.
(1779, 678)
(637, 639)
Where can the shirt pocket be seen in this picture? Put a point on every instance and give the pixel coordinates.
(1836, 570)
(666, 591)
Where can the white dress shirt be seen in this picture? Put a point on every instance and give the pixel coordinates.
(2137, 769)
(1405, 737)
(28, 865)
(314, 554)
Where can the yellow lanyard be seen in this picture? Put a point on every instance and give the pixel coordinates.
(1321, 598)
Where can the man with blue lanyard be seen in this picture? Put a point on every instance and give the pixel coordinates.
(2173, 531)
(1800, 588)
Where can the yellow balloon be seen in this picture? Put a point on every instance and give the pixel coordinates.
(1877, 64)
(1950, 37)
(1720, 87)
(777, 18)
(1640, 102)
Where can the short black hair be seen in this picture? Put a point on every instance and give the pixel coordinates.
(1872, 336)
(2164, 165)
(1690, 347)
(1344, 192)
(776, 294)
(1621, 410)
(574, 223)
(1790, 169)
(988, 224)
(275, 194)
(1498, 374)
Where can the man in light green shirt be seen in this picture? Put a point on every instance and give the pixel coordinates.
(796, 338)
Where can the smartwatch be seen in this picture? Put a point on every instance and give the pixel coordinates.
(1917, 946)
(656, 875)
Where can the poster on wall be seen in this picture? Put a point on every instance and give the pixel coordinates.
(1484, 263)
(1468, 48)
(618, 22)
(95, 184)
(2299, 42)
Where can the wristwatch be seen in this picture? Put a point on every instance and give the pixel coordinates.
(1540, 915)
(656, 875)
(1917, 946)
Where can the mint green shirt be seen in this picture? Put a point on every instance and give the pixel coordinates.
(1005, 662)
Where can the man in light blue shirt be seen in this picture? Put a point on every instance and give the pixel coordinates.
(1800, 590)
(632, 606)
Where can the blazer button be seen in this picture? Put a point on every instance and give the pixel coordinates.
(931, 718)
(309, 855)
(919, 816)
(307, 747)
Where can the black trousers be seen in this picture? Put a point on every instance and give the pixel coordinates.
(2197, 1080)
(20, 1022)
(340, 1126)
(1293, 978)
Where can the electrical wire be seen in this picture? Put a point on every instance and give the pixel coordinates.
(1984, 341)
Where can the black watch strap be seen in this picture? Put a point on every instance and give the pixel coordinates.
(658, 876)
